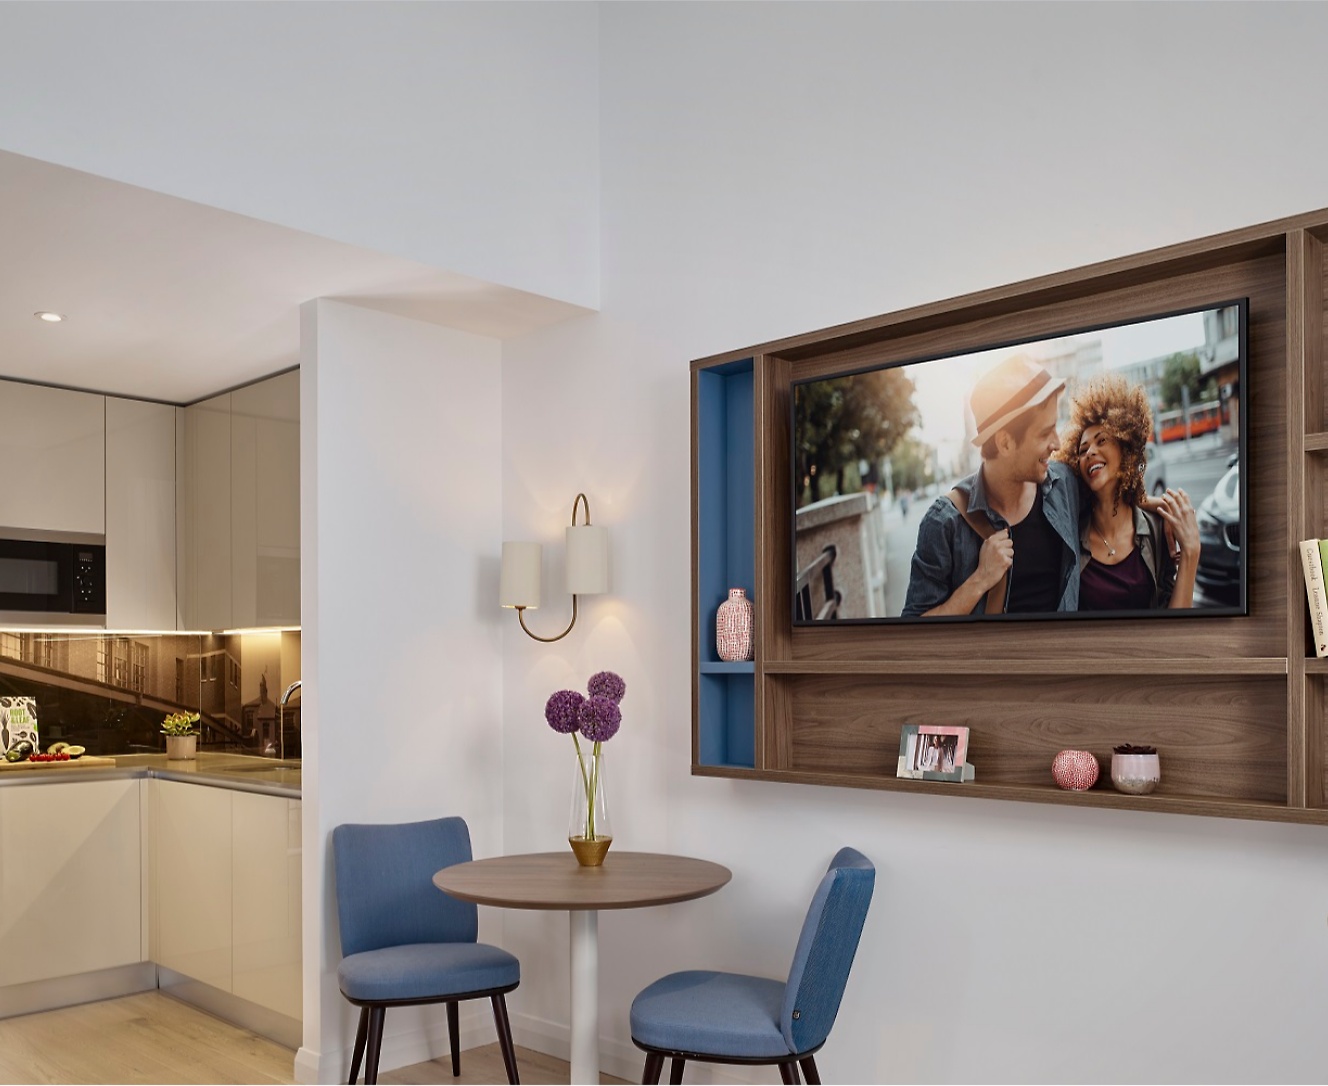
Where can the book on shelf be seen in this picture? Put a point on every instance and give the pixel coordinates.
(1313, 559)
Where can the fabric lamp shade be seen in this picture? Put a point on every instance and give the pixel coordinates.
(519, 585)
(587, 560)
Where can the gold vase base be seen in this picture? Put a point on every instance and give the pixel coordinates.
(590, 853)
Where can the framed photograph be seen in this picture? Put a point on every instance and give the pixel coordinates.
(930, 752)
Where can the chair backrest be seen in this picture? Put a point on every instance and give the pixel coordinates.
(385, 891)
(825, 951)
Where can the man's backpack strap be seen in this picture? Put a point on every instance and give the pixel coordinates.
(981, 525)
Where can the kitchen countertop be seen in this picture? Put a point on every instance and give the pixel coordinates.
(244, 773)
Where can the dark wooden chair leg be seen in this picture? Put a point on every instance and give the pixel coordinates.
(358, 1055)
(654, 1065)
(375, 1047)
(454, 1037)
(788, 1073)
(676, 1064)
(505, 1037)
(809, 1073)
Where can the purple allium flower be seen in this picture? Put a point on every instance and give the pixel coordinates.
(600, 719)
(562, 711)
(607, 684)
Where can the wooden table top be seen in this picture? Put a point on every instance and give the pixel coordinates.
(554, 880)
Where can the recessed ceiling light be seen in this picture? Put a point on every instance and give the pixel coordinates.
(47, 315)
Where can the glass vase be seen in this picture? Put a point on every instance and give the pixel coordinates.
(589, 831)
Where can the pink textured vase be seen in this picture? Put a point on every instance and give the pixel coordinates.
(1075, 770)
(733, 627)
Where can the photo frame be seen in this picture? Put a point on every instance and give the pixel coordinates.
(934, 752)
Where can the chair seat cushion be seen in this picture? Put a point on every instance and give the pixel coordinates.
(426, 970)
(708, 1013)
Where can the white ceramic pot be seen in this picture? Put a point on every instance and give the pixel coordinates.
(181, 748)
(1135, 774)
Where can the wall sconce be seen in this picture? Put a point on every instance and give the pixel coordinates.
(587, 569)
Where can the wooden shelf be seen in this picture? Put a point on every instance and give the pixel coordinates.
(727, 667)
(1089, 665)
(1158, 802)
(1226, 699)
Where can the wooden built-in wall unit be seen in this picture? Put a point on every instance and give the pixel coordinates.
(1234, 704)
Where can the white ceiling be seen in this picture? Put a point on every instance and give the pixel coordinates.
(171, 300)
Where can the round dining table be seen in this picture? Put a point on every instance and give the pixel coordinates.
(554, 880)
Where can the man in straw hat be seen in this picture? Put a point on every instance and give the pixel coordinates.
(1006, 538)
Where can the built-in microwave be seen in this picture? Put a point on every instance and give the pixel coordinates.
(52, 577)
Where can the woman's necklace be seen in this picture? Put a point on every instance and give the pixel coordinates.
(1111, 551)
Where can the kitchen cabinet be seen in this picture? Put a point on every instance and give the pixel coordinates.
(190, 915)
(266, 904)
(239, 495)
(71, 864)
(265, 502)
(226, 891)
(140, 515)
(53, 448)
(204, 490)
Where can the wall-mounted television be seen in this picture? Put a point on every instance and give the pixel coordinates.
(1096, 473)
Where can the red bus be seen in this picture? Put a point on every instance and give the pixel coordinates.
(1205, 418)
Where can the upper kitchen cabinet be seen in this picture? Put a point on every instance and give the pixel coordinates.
(203, 492)
(265, 502)
(53, 447)
(239, 498)
(140, 515)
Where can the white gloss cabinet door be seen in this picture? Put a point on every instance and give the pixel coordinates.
(70, 879)
(191, 913)
(266, 902)
(265, 502)
(205, 491)
(53, 448)
(140, 515)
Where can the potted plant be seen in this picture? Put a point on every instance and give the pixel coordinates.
(181, 736)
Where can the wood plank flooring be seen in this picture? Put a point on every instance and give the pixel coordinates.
(152, 1038)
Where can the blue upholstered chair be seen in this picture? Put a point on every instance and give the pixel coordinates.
(731, 1018)
(405, 942)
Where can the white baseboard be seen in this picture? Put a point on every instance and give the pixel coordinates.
(400, 1048)
(624, 1061)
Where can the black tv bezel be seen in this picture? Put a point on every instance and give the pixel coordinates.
(1239, 610)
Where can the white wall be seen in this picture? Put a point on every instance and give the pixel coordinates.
(771, 169)
(462, 135)
(402, 705)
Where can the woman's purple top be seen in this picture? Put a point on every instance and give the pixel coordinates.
(1126, 586)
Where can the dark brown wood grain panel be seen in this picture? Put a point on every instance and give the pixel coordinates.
(1235, 705)
(1219, 738)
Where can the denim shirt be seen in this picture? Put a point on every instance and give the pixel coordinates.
(947, 550)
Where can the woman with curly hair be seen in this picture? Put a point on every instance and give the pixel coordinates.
(1134, 554)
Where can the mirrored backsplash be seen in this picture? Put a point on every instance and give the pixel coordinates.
(110, 692)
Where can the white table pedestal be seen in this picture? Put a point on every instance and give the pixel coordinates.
(584, 984)
(585, 996)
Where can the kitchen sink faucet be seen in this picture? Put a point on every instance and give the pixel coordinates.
(281, 717)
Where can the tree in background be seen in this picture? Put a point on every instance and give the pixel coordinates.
(1180, 372)
(843, 421)
(909, 462)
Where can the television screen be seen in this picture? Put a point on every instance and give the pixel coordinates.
(1096, 473)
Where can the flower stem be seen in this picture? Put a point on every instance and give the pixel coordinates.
(588, 786)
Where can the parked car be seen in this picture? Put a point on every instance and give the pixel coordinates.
(1155, 472)
(1220, 557)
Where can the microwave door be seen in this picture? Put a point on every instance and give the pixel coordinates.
(34, 577)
